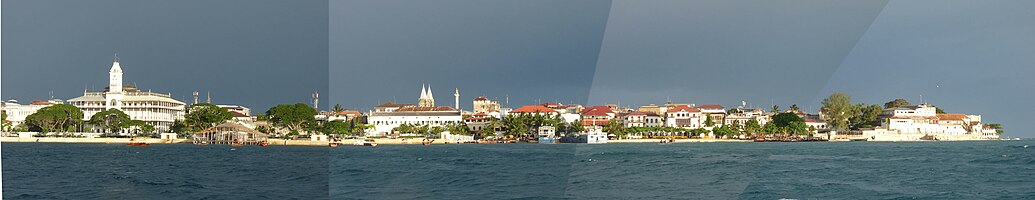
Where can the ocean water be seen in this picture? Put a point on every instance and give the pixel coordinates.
(852, 170)
(183, 171)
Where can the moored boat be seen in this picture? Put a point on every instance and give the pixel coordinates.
(367, 142)
(138, 144)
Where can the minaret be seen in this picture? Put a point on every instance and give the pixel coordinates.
(209, 100)
(316, 101)
(195, 97)
(115, 76)
(456, 98)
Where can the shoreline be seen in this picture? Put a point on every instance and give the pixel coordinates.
(398, 141)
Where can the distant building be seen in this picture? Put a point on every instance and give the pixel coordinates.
(716, 111)
(684, 117)
(156, 109)
(642, 119)
(484, 105)
(923, 119)
(597, 116)
(16, 113)
(390, 115)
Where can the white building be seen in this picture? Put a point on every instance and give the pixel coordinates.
(642, 119)
(16, 113)
(684, 117)
(158, 110)
(390, 115)
(923, 120)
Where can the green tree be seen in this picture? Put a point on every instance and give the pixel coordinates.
(798, 128)
(202, 116)
(338, 108)
(865, 116)
(574, 128)
(458, 128)
(770, 129)
(294, 117)
(775, 109)
(336, 128)
(55, 118)
(111, 120)
(938, 110)
(708, 121)
(752, 127)
(615, 127)
(897, 103)
(724, 131)
(785, 119)
(998, 128)
(6, 124)
(699, 131)
(837, 109)
(794, 107)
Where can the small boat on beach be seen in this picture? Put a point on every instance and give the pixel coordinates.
(135, 143)
(138, 144)
(201, 143)
(264, 144)
(333, 145)
(367, 142)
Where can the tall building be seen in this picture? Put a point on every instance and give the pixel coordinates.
(484, 105)
(156, 109)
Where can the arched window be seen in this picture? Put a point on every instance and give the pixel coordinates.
(114, 103)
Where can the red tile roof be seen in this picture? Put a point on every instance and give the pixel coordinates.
(711, 106)
(951, 116)
(534, 109)
(481, 98)
(597, 111)
(682, 109)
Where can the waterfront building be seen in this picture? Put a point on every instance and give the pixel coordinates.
(741, 116)
(156, 109)
(477, 121)
(651, 108)
(642, 119)
(597, 116)
(716, 111)
(390, 115)
(923, 120)
(16, 113)
(684, 117)
(482, 104)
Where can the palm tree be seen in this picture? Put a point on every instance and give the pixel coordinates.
(338, 108)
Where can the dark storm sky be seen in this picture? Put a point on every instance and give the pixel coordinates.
(254, 53)
(971, 57)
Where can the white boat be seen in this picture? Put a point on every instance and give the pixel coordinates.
(367, 142)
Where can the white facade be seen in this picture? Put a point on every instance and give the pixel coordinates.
(16, 113)
(923, 120)
(388, 116)
(158, 110)
(685, 117)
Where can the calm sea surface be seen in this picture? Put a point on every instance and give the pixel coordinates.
(855, 170)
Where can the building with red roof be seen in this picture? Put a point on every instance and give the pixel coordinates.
(684, 116)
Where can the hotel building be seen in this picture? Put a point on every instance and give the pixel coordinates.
(156, 109)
